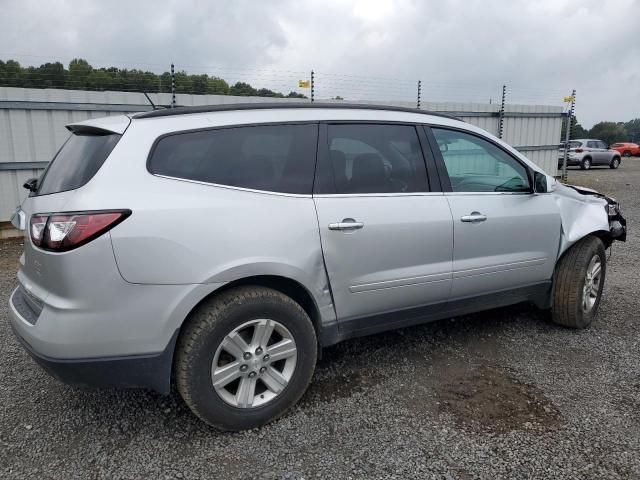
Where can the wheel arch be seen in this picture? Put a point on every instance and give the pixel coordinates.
(285, 285)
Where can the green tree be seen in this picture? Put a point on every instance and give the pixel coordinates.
(52, 75)
(633, 129)
(609, 132)
(78, 75)
(12, 74)
(217, 86)
(242, 89)
(577, 131)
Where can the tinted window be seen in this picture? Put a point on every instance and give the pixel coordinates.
(602, 145)
(477, 165)
(592, 144)
(77, 162)
(376, 159)
(276, 158)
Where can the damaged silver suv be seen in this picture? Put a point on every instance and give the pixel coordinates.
(222, 247)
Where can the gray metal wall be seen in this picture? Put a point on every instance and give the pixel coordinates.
(32, 126)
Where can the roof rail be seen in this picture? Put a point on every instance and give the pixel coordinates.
(169, 112)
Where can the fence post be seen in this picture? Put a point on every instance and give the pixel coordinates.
(173, 86)
(312, 85)
(567, 135)
(501, 123)
(419, 92)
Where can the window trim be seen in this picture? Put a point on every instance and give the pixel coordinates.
(154, 145)
(328, 188)
(442, 169)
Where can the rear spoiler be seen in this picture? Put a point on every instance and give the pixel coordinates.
(101, 126)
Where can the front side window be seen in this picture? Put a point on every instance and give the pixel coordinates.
(275, 158)
(477, 165)
(372, 158)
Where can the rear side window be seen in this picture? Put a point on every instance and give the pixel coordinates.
(276, 158)
(372, 158)
(77, 162)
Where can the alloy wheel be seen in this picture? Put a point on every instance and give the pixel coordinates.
(591, 284)
(254, 363)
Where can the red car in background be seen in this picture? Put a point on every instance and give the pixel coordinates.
(626, 149)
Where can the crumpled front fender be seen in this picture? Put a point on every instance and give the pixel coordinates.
(584, 211)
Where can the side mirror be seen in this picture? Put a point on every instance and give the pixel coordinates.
(31, 184)
(541, 183)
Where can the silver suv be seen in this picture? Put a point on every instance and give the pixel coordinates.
(586, 153)
(224, 247)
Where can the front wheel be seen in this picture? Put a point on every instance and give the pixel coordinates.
(578, 282)
(245, 357)
(615, 163)
(627, 153)
(585, 164)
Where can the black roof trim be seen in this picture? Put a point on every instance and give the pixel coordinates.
(169, 112)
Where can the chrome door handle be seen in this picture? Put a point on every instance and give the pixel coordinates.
(346, 224)
(474, 217)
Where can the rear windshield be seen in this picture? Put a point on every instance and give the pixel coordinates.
(77, 162)
(572, 144)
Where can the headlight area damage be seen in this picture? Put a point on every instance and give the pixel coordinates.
(585, 211)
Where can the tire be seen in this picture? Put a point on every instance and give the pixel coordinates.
(615, 163)
(569, 307)
(585, 164)
(626, 153)
(200, 344)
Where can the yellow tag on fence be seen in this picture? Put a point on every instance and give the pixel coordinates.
(304, 83)
(570, 98)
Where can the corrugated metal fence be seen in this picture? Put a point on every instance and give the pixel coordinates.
(32, 126)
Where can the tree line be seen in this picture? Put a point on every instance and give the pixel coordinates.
(608, 132)
(80, 75)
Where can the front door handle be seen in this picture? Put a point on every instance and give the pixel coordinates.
(474, 217)
(346, 224)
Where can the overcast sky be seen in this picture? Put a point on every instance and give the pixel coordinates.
(460, 49)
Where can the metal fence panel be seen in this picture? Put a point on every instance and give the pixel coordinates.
(32, 125)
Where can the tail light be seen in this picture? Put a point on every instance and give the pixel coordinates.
(578, 150)
(59, 232)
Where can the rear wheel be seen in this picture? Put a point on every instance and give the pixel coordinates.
(245, 357)
(578, 282)
(585, 164)
(615, 163)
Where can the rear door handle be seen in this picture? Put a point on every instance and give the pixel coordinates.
(474, 217)
(346, 224)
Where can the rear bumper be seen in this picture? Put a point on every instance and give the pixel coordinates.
(147, 371)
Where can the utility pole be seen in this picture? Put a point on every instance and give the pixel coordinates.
(173, 86)
(419, 92)
(567, 134)
(312, 85)
(501, 122)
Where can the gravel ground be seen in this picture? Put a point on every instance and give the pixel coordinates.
(501, 394)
